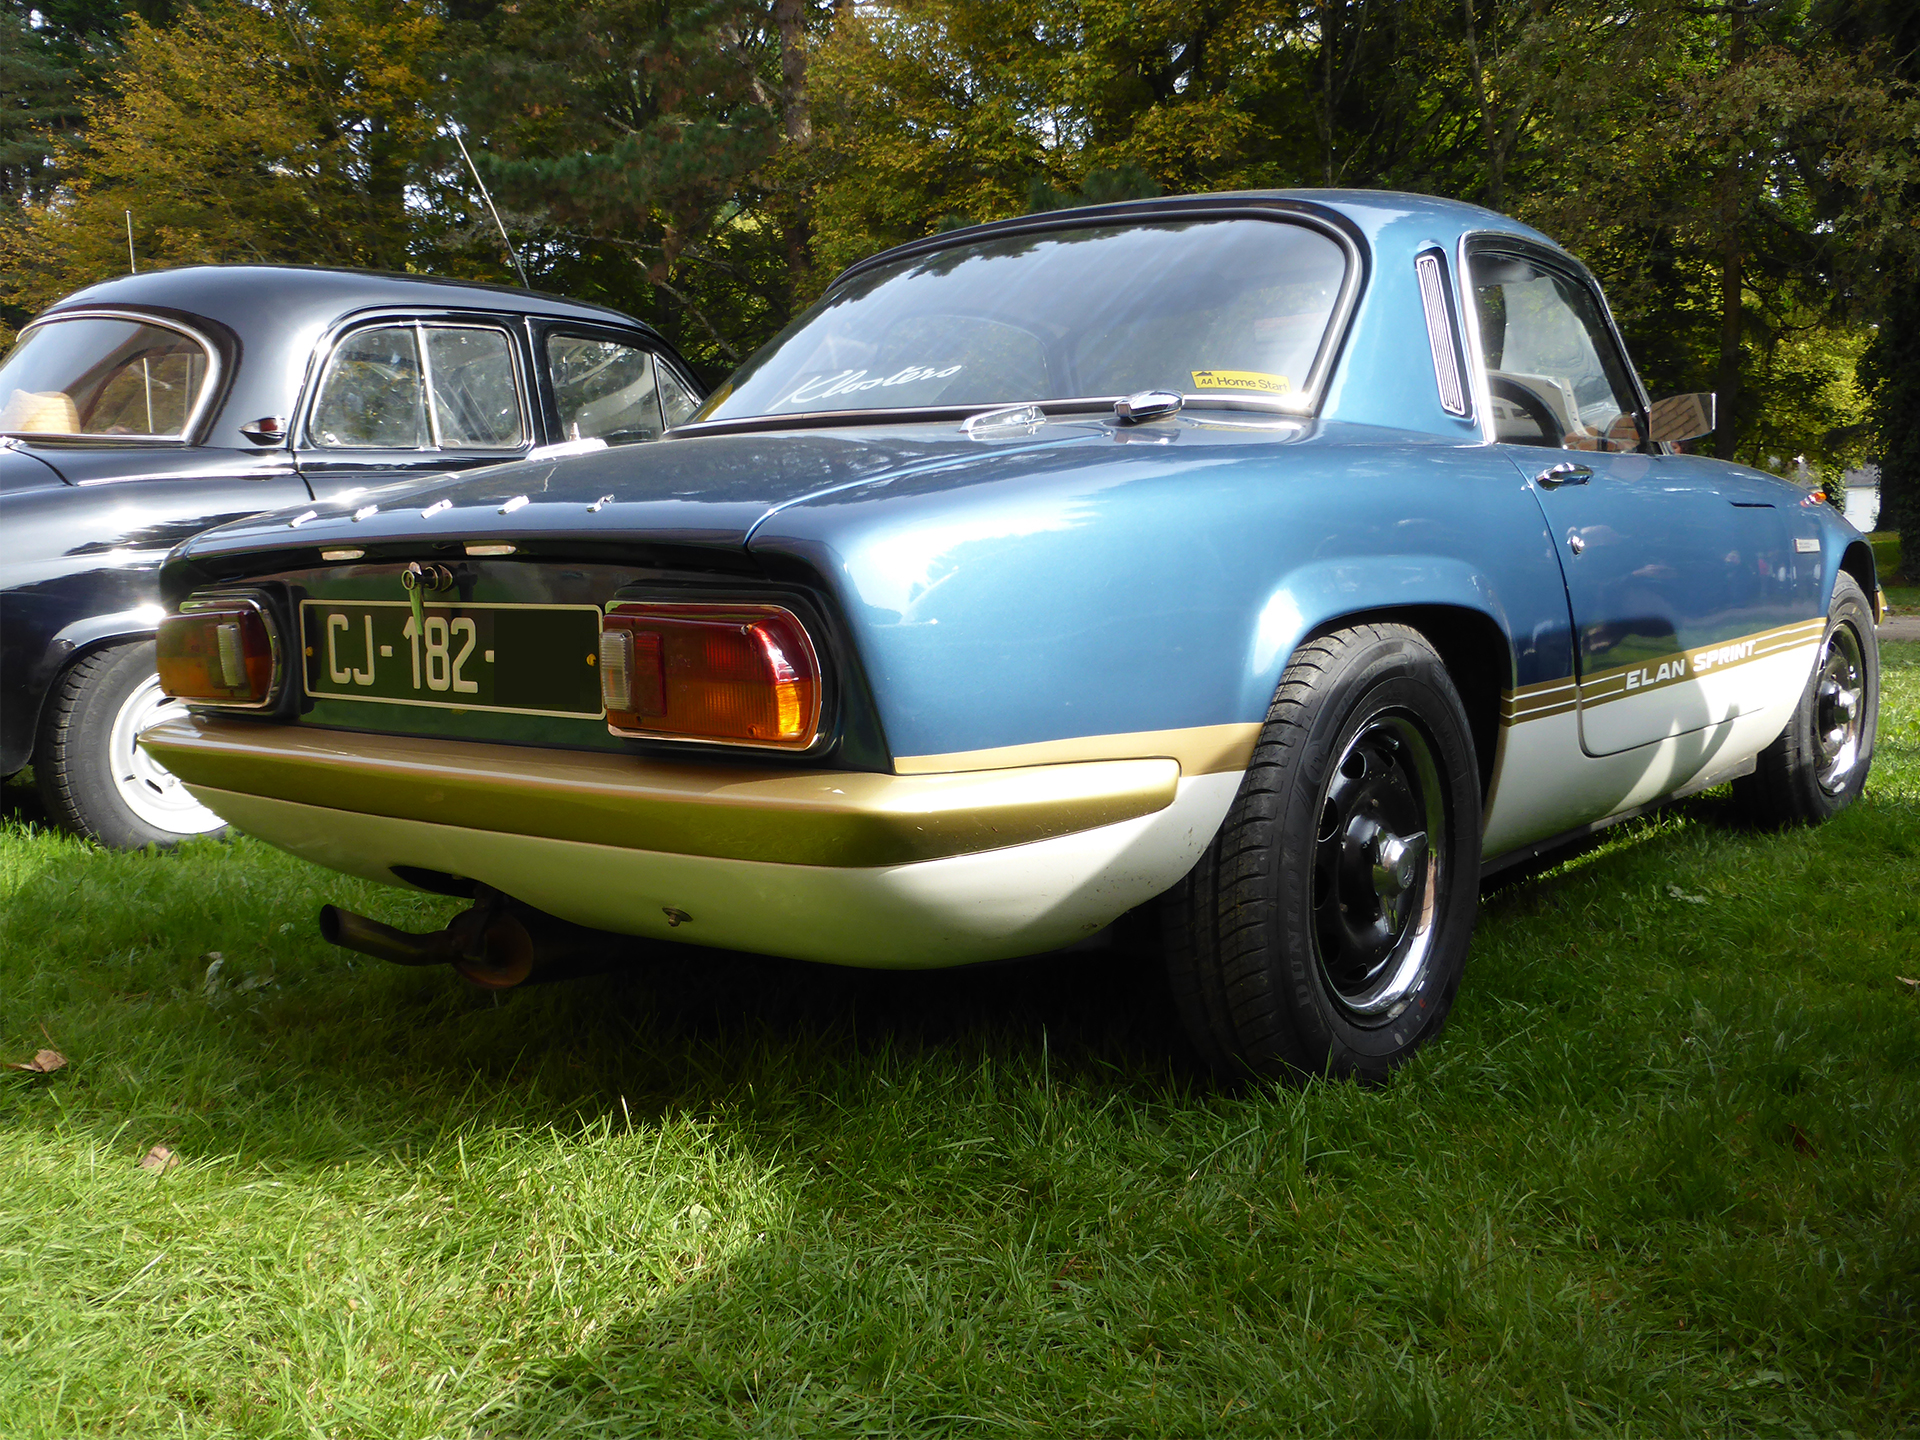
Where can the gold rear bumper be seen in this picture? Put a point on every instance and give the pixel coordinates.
(796, 817)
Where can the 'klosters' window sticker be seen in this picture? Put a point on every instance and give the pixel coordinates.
(820, 387)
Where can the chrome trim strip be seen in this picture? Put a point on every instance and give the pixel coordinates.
(1431, 269)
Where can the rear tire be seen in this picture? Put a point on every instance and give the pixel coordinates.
(1325, 929)
(1818, 765)
(93, 779)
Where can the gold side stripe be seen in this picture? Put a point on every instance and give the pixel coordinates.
(1539, 712)
(1557, 697)
(794, 817)
(1200, 749)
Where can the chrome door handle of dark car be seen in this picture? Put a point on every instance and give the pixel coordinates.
(1566, 472)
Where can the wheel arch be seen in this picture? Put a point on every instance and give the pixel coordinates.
(71, 644)
(1857, 560)
(1476, 652)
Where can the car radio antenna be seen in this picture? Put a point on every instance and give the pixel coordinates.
(512, 254)
(133, 266)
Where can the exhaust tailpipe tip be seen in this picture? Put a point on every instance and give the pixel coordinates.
(383, 942)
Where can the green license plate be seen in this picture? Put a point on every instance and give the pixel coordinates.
(526, 659)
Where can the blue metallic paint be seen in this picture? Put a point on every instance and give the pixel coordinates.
(1055, 599)
(1092, 579)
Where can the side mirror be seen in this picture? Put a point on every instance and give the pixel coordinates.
(1681, 417)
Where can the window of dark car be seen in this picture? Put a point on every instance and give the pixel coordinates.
(418, 386)
(1224, 308)
(106, 375)
(679, 402)
(603, 389)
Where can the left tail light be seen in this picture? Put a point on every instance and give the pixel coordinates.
(220, 651)
(728, 674)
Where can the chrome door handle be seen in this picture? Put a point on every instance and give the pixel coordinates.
(1567, 472)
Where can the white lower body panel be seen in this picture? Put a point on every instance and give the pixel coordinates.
(1545, 784)
(988, 905)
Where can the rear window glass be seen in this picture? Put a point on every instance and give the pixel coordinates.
(1219, 308)
(98, 376)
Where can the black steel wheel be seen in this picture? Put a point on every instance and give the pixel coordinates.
(1326, 927)
(1819, 763)
(93, 778)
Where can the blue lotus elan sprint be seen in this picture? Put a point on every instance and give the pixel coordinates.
(1285, 562)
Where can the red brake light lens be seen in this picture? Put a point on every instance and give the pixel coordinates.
(218, 652)
(738, 674)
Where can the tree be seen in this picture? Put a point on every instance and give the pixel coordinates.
(652, 155)
(1725, 176)
(247, 132)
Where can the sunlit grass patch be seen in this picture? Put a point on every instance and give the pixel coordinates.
(1656, 1176)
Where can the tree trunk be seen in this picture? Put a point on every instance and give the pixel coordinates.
(790, 20)
(1726, 437)
(796, 118)
(1892, 367)
(1496, 160)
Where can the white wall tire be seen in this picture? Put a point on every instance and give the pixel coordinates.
(94, 779)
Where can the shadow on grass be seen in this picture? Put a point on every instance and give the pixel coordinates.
(945, 1187)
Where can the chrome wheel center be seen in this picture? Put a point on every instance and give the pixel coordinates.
(149, 789)
(1839, 709)
(1376, 868)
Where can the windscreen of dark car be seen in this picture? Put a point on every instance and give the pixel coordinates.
(103, 376)
(1225, 308)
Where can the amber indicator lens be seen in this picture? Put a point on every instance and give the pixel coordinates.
(217, 654)
(744, 674)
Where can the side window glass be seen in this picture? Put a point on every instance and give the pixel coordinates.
(371, 396)
(603, 390)
(476, 404)
(1552, 370)
(680, 403)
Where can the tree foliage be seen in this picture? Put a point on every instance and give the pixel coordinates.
(1741, 173)
(245, 132)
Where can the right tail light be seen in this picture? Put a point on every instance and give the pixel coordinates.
(732, 674)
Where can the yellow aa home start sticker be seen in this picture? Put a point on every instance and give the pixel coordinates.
(1241, 380)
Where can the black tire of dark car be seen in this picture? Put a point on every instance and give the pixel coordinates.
(84, 764)
(1818, 764)
(1325, 929)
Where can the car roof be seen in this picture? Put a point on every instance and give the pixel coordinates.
(1381, 216)
(267, 320)
(232, 294)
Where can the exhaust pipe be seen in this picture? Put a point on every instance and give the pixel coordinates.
(488, 944)
(501, 943)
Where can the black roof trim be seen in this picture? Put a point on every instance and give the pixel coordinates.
(1239, 204)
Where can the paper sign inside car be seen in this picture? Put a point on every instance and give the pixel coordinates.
(1242, 380)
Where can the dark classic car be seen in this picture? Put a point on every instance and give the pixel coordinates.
(1283, 562)
(138, 412)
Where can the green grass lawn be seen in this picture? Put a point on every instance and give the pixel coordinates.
(1659, 1175)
